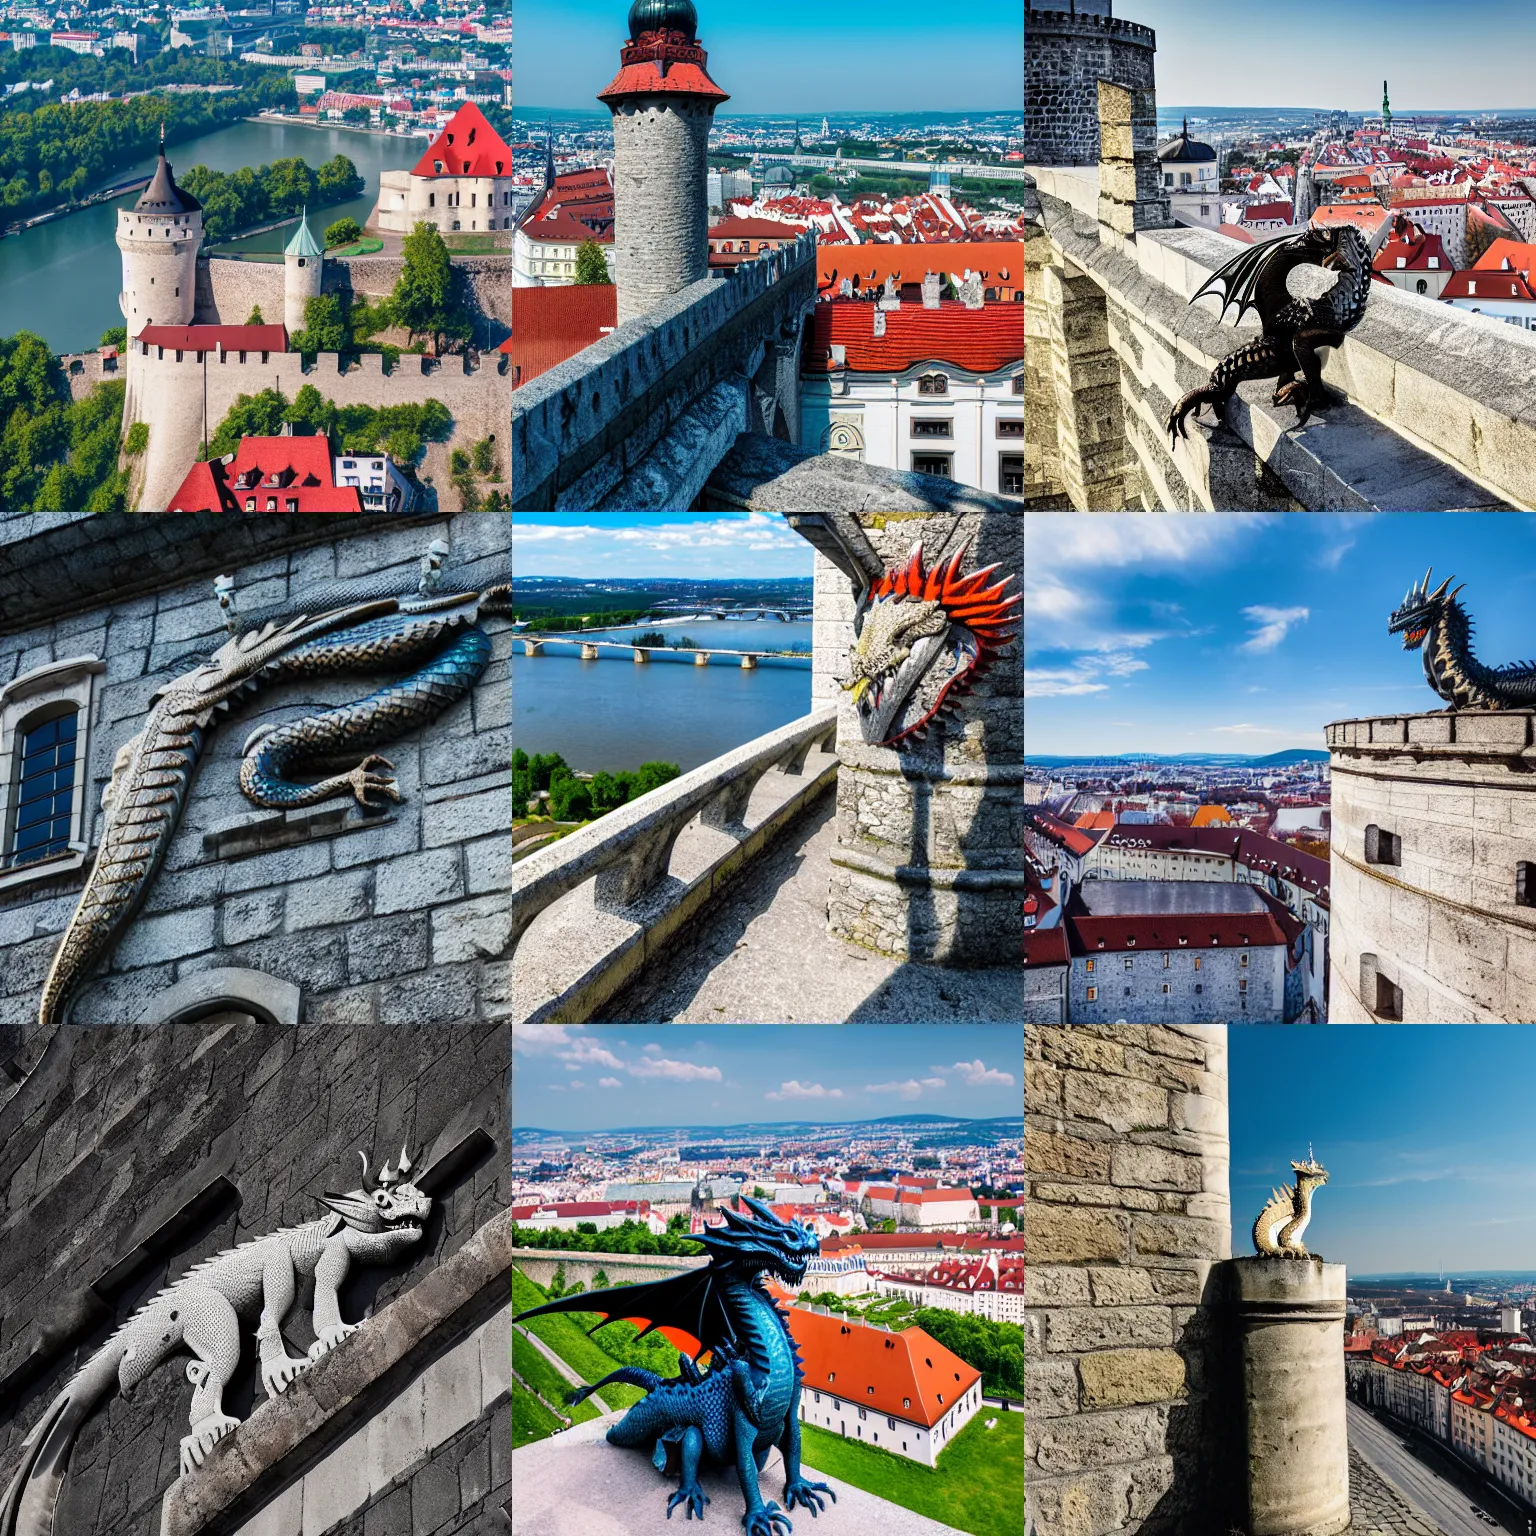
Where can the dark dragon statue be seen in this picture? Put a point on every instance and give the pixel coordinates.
(1293, 329)
(204, 1314)
(424, 631)
(748, 1400)
(1436, 624)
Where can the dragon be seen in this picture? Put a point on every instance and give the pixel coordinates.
(749, 1399)
(922, 639)
(1436, 624)
(202, 1313)
(387, 624)
(1293, 329)
(1293, 1208)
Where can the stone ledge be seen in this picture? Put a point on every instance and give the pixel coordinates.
(1505, 736)
(286, 1438)
(576, 1484)
(239, 837)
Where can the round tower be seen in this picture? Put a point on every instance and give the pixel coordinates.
(663, 103)
(303, 273)
(159, 238)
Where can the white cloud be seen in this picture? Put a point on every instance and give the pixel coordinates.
(536, 1039)
(588, 1053)
(910, 1089)
(679, 1071)
(1273, 625)
(609, 1082)
(799, 1090)
(978, 1074)
(1083, 676)
(932, 1082)
(651, 1050)
(1246, 729)
(577, 1083)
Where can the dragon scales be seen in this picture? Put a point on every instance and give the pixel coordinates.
(389, 625)
(1437, 626)
(202, 1313)
(1289, 1210)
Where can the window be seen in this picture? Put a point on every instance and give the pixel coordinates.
(1243, 958)
(1165, 989)
(1242, 983)
(933, 384)
(1127, 962)
(932, 464)
(1093, 994)
(933, 427)
(1197, 962)
(1167, 959)
(45, 781)
(1090, 964)
(1018, 383)
(1010, 426)
(1010, 474)
(1199, 986)
(1421, 286)
(1525, 884)
(1382, 847)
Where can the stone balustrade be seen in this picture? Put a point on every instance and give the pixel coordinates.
(1440, 412)
(630, 882)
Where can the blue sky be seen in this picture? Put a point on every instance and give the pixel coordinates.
(595, 1077)
(640, 544)
(1228, 633)
(1425, 1130)
(792, 55)
(1335, 53)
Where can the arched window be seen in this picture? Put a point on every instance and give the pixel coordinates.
(1421, 286)
(44, 777)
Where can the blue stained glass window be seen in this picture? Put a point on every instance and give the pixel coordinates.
(45, 790)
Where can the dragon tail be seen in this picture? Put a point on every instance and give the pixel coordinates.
(28, 1505)
(630, 1375)
(1258, 360)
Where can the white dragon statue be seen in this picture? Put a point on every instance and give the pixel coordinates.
(1290, 1210)
(202, 1312)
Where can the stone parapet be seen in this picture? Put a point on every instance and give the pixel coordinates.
(1126, 1214)
(1067, 51)
(1438, 415)
(1433, 817)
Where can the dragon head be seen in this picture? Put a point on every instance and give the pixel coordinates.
(1310, 1173)
(922, 638)
(765, 1244)
(389, 1203)
(1419, 610)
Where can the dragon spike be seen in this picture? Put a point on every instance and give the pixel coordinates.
(390, 1177)
(1439, 591)
(368, 1184)
(1454, 590)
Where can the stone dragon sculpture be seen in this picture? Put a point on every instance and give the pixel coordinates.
(202, 1313)
(749, 1399)
(1293, 329)
(1290, 1210)
(923, 639)
(386, 625)
(1437, 625)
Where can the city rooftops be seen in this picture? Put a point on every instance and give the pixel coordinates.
(1138, 898)
(983, 340)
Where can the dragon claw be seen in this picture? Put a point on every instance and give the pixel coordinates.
(329, 1338)
(364, 783)
(770, 1520)
(809, 1494)
(695, 1498)
(278, 1375)
(206, 1434)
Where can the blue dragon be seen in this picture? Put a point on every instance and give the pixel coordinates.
(748, 1400)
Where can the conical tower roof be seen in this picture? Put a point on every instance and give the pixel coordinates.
(162, 195)
(303, 243)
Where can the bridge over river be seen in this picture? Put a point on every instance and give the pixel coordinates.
(592, 650)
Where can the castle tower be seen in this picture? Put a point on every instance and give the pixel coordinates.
(1386, 111)
(663, 103)
(303, 273)
(159, 238)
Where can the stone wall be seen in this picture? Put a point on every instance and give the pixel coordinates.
(1127, 1210)
(119, 1132)
(397, 916)
(1129, 986)
(1066, 53)
(169, 396)
(1441, 925)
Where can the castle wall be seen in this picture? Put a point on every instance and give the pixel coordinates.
(395, 916)
(1126, 1213)
(660, 199)
(1442, 924)
(170, 397)
(1065, 56)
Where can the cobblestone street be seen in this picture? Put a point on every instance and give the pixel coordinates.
(1378, 1509)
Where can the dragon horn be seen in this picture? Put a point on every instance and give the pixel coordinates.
(368, 1184)
(405, 1159)
(1440, 590)
(1455, 590)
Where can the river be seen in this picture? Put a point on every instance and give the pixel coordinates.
(614, 714)
(61, 279)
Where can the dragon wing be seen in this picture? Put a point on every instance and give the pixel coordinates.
(1237, 280)
(687, 1307)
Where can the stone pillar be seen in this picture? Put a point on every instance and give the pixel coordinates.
(588, 652)
(533, 647)
(1130, 177)
(701, 658)
(642, 656)
(1291, 1316)
(929, 863)
(1090, 415)
(1043, 484)
(749, 663)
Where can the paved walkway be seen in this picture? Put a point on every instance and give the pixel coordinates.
(564, 1369)
(762, 954)
(1376, 1509)
(1414, 1478)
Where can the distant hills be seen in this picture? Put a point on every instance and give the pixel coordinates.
(990, 1128)
(1199, 759)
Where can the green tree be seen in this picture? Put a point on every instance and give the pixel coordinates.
(587, 1226)
(591, 264)
(254, 318)
(677, 1224)
(325, 326)
(137, 439)
(258, 415)
(653, 775)
(425, 301)
(115, 336)
(569, 798)
(343, 232)
(600, 1281)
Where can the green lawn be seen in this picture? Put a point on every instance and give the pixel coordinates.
(569, 1340)
(978, 1485)
(531, 1420)
(467, 243)
(364, 247)
(546, 1380)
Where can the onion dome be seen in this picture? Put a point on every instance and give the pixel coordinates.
(1183, 150)
(664, 15)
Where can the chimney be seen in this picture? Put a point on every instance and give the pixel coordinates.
(845, 288)
(932, 287)
(879, 322)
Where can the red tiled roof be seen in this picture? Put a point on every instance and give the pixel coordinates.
(979, 340)
(752, 229)
(569, 228)
(685, 75)
(1045, 946)
(209, 338)
(467, 146)
(1073, 839)
(282, 470)
(1182, 930)
(1094, 821)
(874, 1242)
(1264, 211)
(1520, 256)
(552, 324)
(907, 1375)
(998, 261)
(935, 1196)
(1488, 285)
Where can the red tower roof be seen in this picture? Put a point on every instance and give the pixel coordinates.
(268, 474)
(663, 63)
(468, 146)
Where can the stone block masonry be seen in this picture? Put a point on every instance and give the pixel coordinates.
(1066, 54)
(1126, 1215)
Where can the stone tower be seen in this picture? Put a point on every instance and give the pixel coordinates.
(1069, 46)
(663, 103)
(303, 273)
(159, 238)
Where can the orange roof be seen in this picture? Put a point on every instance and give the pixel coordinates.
(467, 146)
(1366, 216)
(268, 474)
(753, 229)
(908, 1375)
(1520, 257)
(1092, 821)
(868, 266)
(979, 340)
(932, 1196)
(552, 324)
(1210, 816)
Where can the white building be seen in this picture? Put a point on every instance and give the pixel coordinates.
(383, 487)
(982, 1286)
(842, 1274)
(951, 1208)
(725, 185)
(462, 182)
(1509, 1320)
